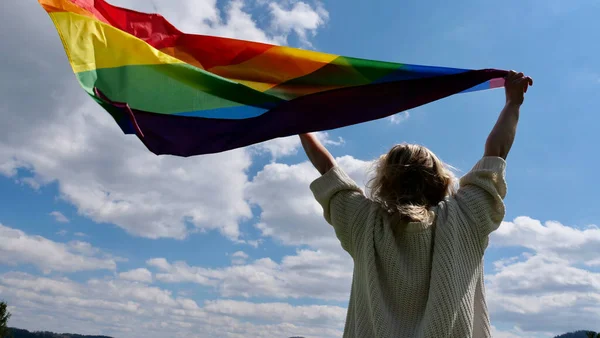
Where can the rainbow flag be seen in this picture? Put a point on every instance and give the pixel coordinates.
(185, 94)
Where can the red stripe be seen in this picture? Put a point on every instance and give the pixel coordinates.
(155, 30)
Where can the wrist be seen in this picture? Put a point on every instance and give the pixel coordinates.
(513, 104)
(511, 109)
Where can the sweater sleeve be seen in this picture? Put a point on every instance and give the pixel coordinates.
(481, 194)
(340, 198)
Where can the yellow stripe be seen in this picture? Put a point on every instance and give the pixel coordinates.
(260, 86)
(276, 65)
(91, 44)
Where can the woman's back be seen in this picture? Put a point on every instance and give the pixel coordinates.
(417, 279)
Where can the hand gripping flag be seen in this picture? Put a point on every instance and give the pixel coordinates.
(185, 94)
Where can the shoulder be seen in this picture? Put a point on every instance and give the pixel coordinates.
(333, 181)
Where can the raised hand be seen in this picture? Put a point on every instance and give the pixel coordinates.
(515, 86)
(317, 153)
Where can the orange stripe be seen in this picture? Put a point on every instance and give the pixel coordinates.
(274, 66)
(65, 6)
(182, 56)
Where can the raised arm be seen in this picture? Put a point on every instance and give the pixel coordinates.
(480, 196)
(502, 136)
(317, 153)
(343, 202)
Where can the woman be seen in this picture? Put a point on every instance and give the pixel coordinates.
(417, 245)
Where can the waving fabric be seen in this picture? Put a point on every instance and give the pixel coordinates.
(185, 94)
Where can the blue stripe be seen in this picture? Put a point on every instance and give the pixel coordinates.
(412, 72)
(228, 113)
(438, 71)
(482, 86)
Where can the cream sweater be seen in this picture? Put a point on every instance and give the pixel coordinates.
(423, 280)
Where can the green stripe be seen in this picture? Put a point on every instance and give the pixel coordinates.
(371, 69)
(341, 72)
(171, 88)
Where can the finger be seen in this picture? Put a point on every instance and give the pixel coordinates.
(510, 76)
(518, 78)
(519, 81)
(513, 76)
(523, 83)
(529, 83)
(528, 80)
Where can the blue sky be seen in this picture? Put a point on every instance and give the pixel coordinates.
(235, 239)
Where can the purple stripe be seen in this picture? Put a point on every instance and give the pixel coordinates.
(188, 136)
(120, 105)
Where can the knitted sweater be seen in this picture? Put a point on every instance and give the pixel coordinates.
(420, 280)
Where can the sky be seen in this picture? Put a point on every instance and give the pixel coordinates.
(99, 236)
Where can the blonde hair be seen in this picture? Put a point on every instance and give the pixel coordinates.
(409, 180)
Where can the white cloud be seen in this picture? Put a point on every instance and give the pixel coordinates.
(279, 312)
(313, 274)
(16, 247)
(299, 17)
(399, 118)
(84, 248)
(56, 286)
(550, 238)
(546, 290)
(239, 257)
(289, 212)
(241, 25)
(159, 263)
(235, 19)
(240, 254)
(513, 333)
(59, 217)
(593, 262)
(184, 194)
(288, 146)
(324, 138)
(254, 243)
(122, 308)
(541, 275)
(542, 294)
(279, 147)
(137, 275)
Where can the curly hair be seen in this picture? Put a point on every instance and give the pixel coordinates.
(409, 180)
